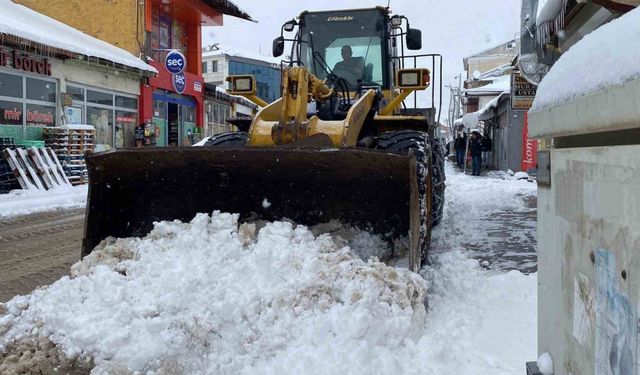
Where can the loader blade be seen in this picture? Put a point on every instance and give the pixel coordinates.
(131, 189)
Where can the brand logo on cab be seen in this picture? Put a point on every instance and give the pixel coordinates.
(344, 18)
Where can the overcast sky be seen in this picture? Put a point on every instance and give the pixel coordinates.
(453, 28)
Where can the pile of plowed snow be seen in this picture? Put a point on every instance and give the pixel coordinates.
(211, 296)
(216, 297)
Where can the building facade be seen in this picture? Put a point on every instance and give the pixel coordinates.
(172, 105)
(65, 78)
(220, 62)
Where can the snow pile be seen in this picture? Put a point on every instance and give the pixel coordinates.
(607, 57)
(545, 364)
(212, 296)
(25, 23)
(77, 127)
(202, 142)
(499, 85)
(192, 296)
(23, 202)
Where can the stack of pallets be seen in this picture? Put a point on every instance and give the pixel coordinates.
(36, 168)
(8, 180)
(69, 143)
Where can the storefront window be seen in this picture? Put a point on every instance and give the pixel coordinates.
(40, 115)
(40, 90)
(102, 120)
(76, 92)
(125, 128)
(98, 97)
(188, 114)
(10, 85)
(126, 102)
(10, 113)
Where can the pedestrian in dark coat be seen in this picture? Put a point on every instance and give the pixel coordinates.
(460, 145)
(475, 146)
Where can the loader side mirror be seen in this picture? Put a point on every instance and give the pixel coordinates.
(414, 39)
(288, 27)
(278, 46)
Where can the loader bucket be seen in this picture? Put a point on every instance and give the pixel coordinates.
(131, 189)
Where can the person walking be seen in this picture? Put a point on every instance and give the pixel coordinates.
(460, 144)
(475, 145)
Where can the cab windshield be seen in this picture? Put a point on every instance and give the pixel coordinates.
(350, 44)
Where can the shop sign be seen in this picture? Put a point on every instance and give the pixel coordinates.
(175, 62)
(74, 115)
(11, 116)
(522, 92)
(126, 119)
(179, 83)
(197, 86)
(38, 118)
(25, 62)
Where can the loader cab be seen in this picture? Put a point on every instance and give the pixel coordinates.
(350, 44)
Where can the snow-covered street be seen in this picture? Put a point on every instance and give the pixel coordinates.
(212, 297)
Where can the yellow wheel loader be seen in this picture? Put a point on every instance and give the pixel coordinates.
(342, 143)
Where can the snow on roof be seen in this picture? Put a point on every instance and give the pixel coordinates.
(499, 85)
(28, 24)
(486, 110)
(233, 51)
(549, 10)
(496, 72)
(595, 63)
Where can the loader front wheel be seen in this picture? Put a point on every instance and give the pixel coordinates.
(415, 143)
(228, 139)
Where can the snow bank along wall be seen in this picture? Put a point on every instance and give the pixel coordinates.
(589, 223)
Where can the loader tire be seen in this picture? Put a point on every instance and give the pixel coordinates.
(438, 177)
(228, 139)
(416, 143)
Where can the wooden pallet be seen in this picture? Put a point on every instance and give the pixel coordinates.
(36, 168)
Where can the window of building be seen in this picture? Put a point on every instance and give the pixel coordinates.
(27, 101)
(204, 67)
(10, 85)
(113, 114)
(214, 66)
(126, 102)
(77, 93)
(41, 90)
(99, 97)
(11, 113)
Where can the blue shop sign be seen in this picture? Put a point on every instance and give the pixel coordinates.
(179, 82)
(175, 62)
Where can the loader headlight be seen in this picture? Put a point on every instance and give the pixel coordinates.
(417, 79)
(241, 85)
(409, 79)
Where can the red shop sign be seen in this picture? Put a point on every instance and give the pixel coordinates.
(25, 62)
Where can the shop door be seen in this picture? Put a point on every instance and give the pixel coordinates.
(174, 119)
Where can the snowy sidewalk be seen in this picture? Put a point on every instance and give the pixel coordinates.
(23, 202)
(494, 218)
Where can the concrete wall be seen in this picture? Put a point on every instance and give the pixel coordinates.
(218, 77)
(113, 21)
(589, 261)
(96, 76)
(507, 141)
